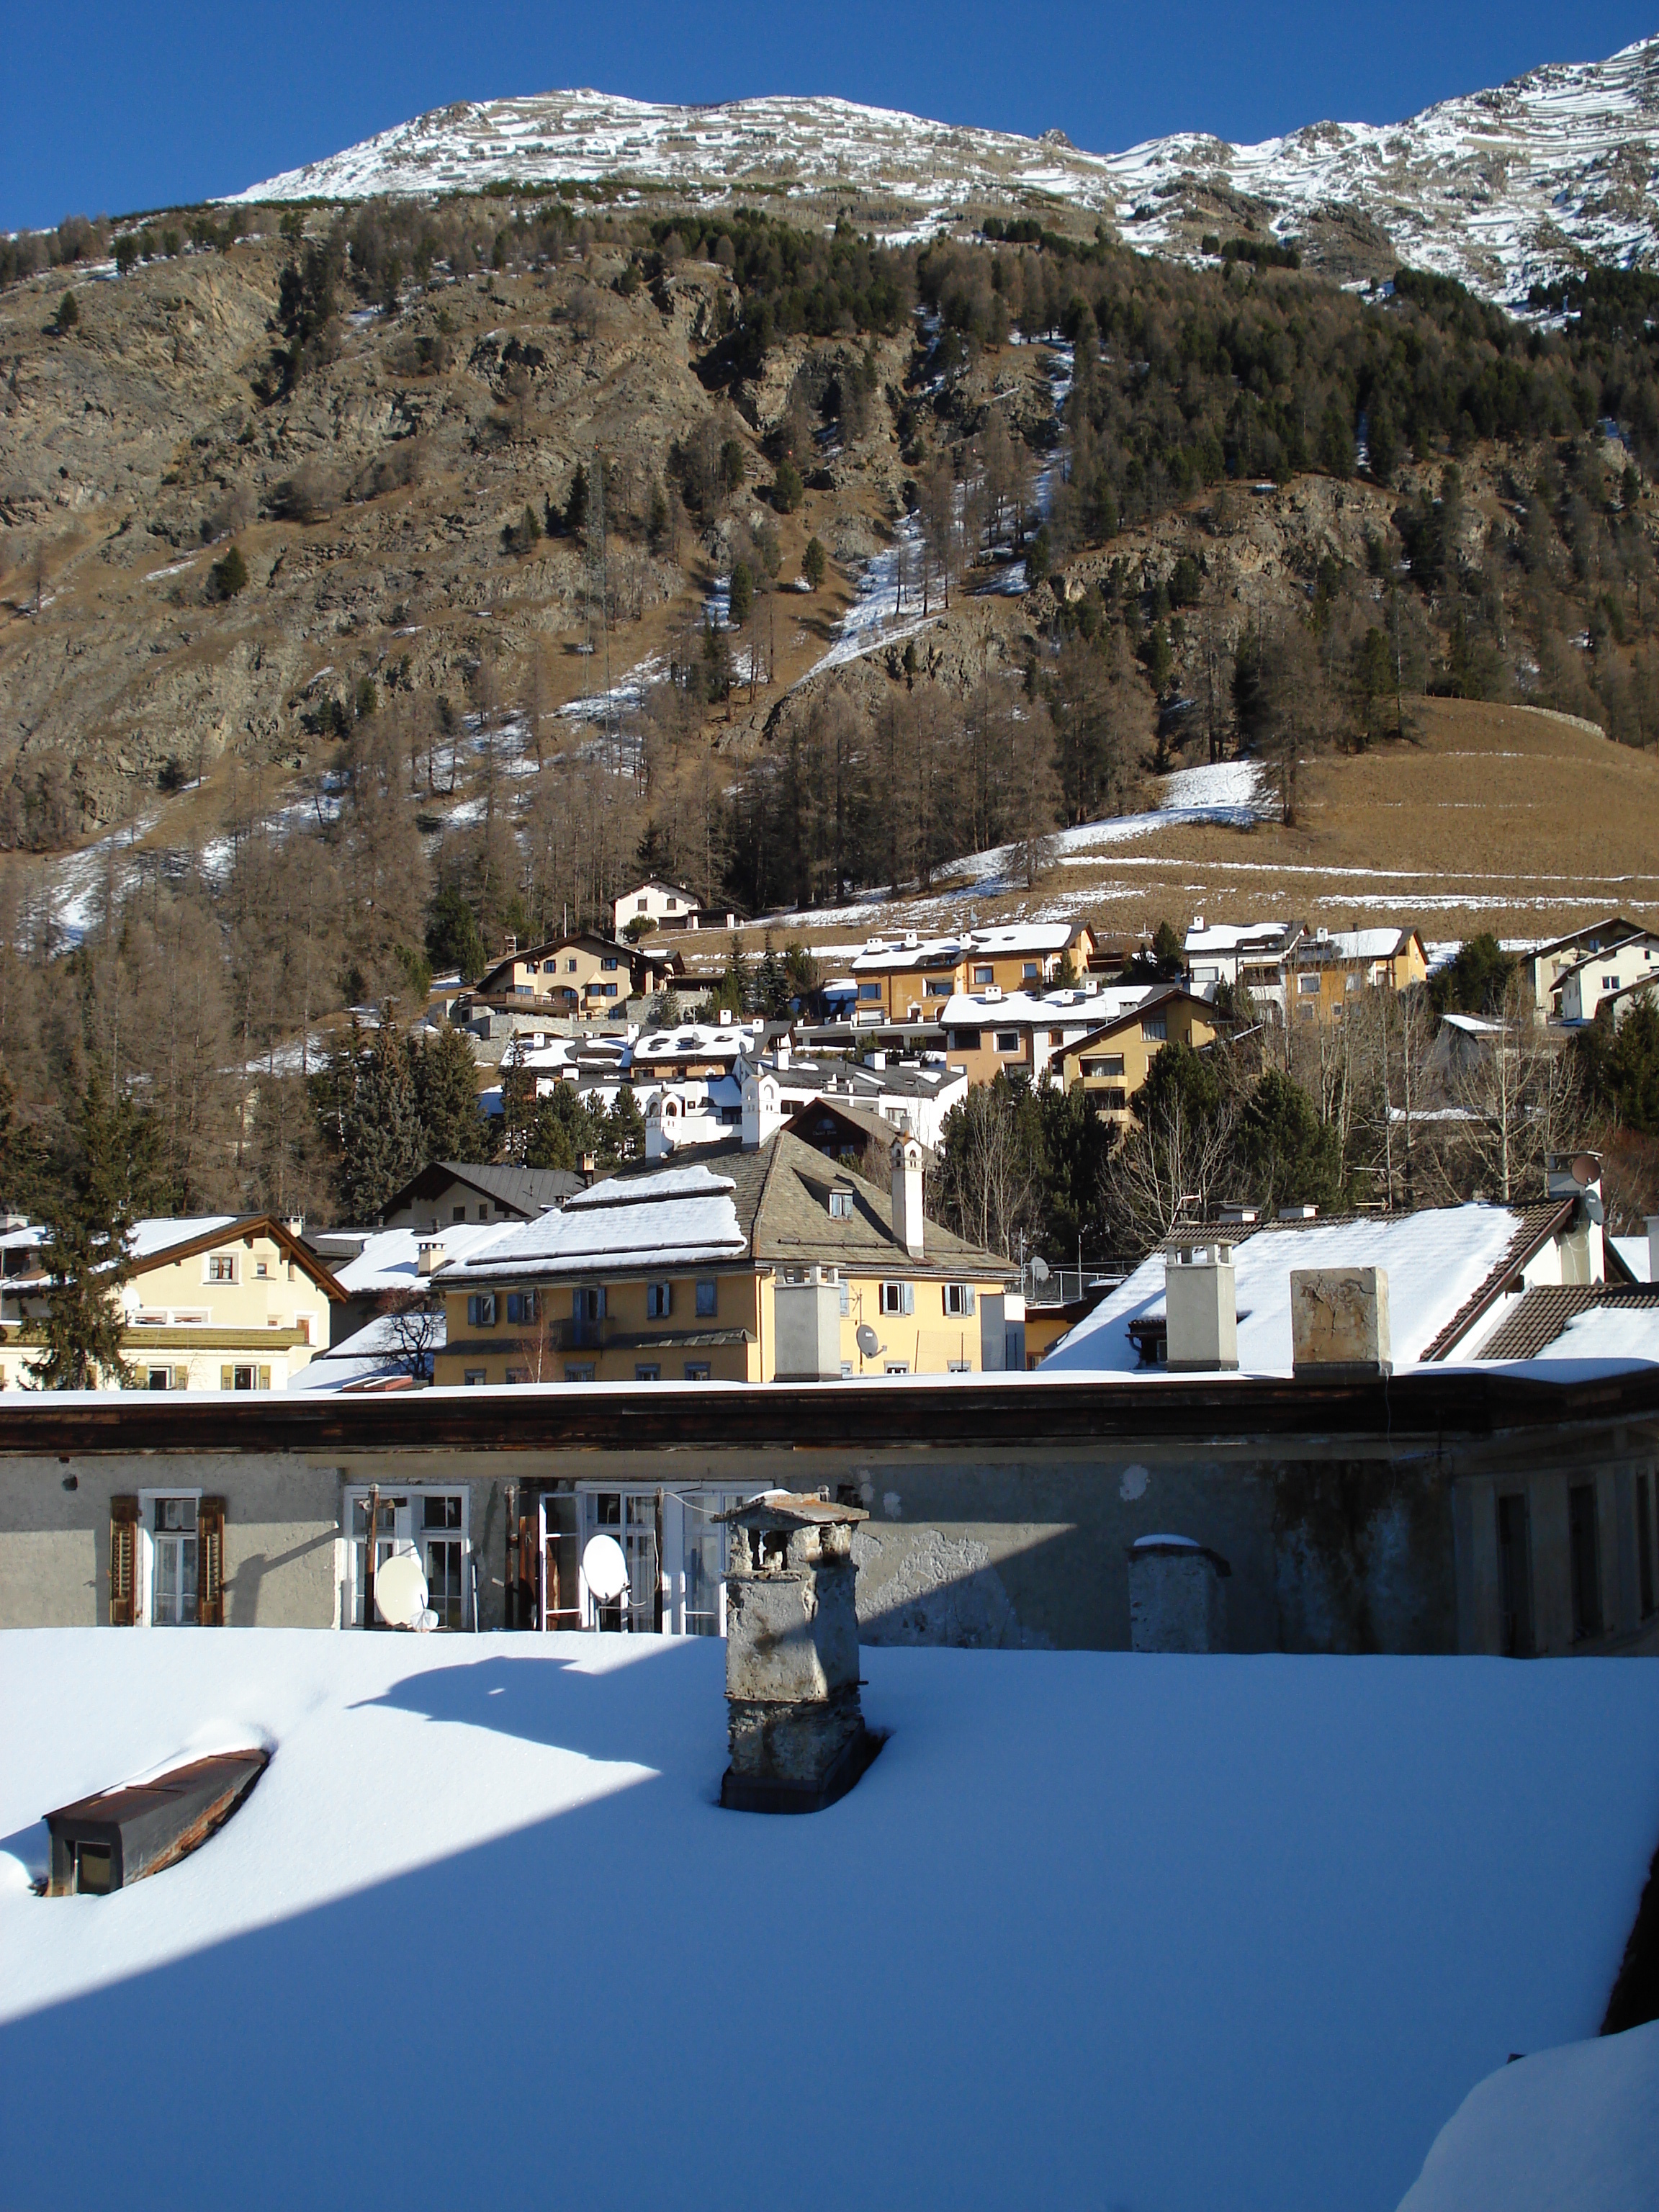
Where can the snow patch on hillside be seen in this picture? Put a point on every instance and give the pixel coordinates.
(1498, 188)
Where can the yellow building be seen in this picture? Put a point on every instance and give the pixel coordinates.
(1330, 968)
(580, 975)
(1111, 1063)
(227, 1301)
(912, 978)
(691, 1268)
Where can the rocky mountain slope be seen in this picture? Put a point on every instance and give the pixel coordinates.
(1501, 189)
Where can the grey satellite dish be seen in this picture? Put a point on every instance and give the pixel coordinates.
(400, 1591)
(868, 1342)
(1039, 1269)
(606, 1569)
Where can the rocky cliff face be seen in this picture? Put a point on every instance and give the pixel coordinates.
(1500, 189)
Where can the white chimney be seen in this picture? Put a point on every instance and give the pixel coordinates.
(1201, 1306)
(726, 1018)
(762, 1115)
(428, 1255)
(1653, 1248)
(907, 1195)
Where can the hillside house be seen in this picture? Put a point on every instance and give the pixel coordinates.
(449, 1191)
(582, 974)
(671, 906)
(1549, 964)
(1615, 977)
(1253, 956)
(910, 980)
(1330, 968)
(221, 1301)
(687, 1271)
(990, 1033)
(1110, 1063)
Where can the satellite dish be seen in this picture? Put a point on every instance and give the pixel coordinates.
(1040, 1269)
(606, 1568)
(868, 1342)
(400, 1591)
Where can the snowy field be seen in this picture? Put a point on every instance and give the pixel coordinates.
(1201, 1935)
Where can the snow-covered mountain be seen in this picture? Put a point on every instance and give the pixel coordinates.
(1499, 188)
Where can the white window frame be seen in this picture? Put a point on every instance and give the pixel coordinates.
(408, 1539)
(895, 1299)
(144, 1578)
(959, 1302)
(688, 1509)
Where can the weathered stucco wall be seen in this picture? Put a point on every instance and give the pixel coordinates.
(1367, 1544)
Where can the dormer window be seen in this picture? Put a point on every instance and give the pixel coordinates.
(841, 1205)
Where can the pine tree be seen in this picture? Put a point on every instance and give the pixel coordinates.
(446, 1082)
(381, 1133)
(814, 562)
(622, 1137)
(89, 1218)
(575, 507)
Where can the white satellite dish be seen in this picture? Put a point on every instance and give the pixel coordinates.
(1039, 1269)
(606, 1568)
(400, 1591)
(868, 1342)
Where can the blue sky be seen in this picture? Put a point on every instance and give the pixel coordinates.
(117, 107)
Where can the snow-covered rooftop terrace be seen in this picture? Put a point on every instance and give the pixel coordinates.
(1095, 1929)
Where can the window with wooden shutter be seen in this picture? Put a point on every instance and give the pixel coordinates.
(210, 1562)
(227, 1378)
(123, 1561)
(265, 1378)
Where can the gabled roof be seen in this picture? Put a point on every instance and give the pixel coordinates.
(163, 1242)
(1600, 934)
(589, 940)
(859, 1129)
(1358, 944)
(729, 1206)
(527, 1191)
(1446, 1267)
(1154, 1000)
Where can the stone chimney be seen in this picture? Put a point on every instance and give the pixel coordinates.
(1177, 1602)
(907, 1195)
(1200, 1306)
(806, 1325)
(1340, 1324)
(796, 1727)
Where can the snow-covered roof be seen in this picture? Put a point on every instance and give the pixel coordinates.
(1305, 1956)
(389, 1259)
(1635, 1253)
(369, 1354)
(161, 1232)
(674, 1217)
(1609, 1333)
(696, 1041)
(1021, 1010)
(1474, 1025)
(1236, 937)
(1436, 1261)
(1353, 944)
